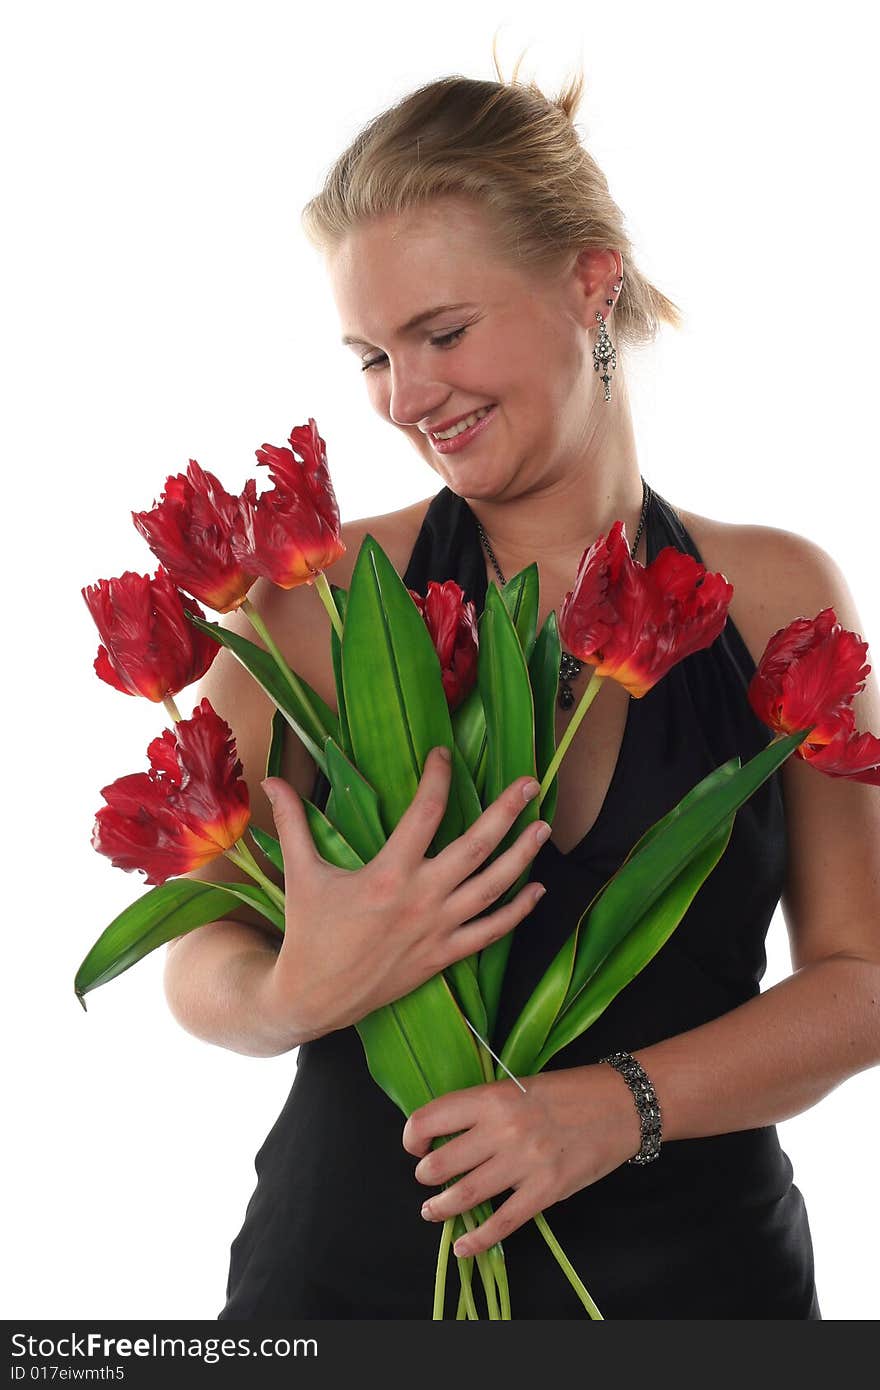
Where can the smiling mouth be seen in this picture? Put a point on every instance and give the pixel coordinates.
(465, 423)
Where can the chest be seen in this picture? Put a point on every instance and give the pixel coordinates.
(588, 767)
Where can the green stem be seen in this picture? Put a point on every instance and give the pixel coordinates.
(465, 1265)
(567, 1267)
(323, 590)
(241, 856)
(295, 684)
(487, 1272)
(586, 700)
(496, 1256)
(442, 1263)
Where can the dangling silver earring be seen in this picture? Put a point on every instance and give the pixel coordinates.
(604, 351)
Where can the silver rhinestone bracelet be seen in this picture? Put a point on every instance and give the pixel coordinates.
(646, 1101)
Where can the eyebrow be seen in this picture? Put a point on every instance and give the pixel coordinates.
(412, 323)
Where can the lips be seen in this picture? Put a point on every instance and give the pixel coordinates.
(447, 424)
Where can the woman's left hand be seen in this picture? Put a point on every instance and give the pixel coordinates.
(568, 1129)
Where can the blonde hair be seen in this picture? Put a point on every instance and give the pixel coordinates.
(517, 154)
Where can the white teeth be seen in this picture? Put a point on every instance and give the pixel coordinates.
(464, 424)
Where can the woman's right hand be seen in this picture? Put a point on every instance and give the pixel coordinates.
(357, 939)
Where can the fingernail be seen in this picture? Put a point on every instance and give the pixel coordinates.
(445, 753)
(426, 1211)
(460, 1247)
(269, 790)
(542, 833)
(531, 789)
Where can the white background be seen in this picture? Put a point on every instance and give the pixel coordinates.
(160, 303)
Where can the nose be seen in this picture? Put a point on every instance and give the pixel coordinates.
(413, 396)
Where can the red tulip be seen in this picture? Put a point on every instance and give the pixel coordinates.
(291, 532)
(190, 807)
(807, 678)
(452, 622)
(634, 622)
(190, 531)
(149, 647)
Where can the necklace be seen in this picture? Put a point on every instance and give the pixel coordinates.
(569, 666)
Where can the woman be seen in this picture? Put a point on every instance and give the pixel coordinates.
(481, 268)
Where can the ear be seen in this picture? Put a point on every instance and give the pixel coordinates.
(594, 274)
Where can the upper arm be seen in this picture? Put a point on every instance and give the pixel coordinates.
(831, 898)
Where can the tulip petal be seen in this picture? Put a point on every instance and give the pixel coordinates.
(148, 648)
(190, 807)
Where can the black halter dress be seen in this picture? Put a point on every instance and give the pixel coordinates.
(715, 1227)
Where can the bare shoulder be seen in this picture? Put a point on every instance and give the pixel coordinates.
(395, 531)
(830, 894)
(777, 575)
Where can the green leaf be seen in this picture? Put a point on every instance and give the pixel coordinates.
(653, 865)
(510, 729)
(392, 683)
(269, 845)
(657, 872)
(420, 1046)
(353, 806)
(168, 910)
(469, 730)
(306, 712)
(637, 948)
(329, 842)
(554, 991)
(520, 596)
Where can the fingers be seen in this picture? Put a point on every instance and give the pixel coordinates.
(460, 859)
(480, 891)
(294, 835)
(412, 836)
(512, 1214)
(456, 1157)
(474, 936)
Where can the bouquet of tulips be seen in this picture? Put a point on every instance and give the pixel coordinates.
(413, 672)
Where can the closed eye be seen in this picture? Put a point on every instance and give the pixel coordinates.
(445, 341)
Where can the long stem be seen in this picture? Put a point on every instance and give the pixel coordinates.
(466, 1297)
(586, 700)
(442, 1263)
(487, 1272)
(256, 620)
(241, 856)
(567, 1267)
(323, 591)
(496, 1256)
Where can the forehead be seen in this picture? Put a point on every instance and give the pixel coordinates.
(390, 267)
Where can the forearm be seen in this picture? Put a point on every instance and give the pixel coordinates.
(217, 981)
(772, 1057)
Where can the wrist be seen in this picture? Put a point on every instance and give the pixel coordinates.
(643, 1106)
(621, 1113)
(282, 1016)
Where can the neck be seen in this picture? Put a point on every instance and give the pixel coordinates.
(554, 520)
